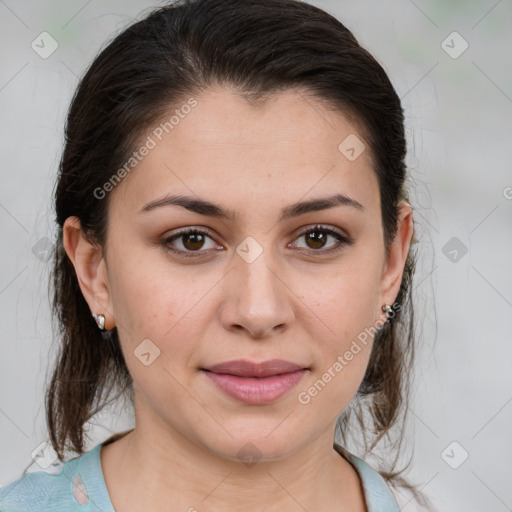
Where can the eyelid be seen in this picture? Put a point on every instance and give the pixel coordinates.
(167, 239)
(327, 228)
(342, 239)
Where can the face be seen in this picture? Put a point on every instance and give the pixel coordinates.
(268, 280)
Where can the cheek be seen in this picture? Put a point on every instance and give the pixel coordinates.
(341, 354)
(343, 325)
(148, 295)
(161, 303)
(345, 298)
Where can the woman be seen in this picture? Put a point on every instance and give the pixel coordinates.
(235, 254)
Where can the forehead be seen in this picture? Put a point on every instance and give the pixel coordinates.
(284, 149)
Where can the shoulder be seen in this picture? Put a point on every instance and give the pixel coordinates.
(37, 491)
(378, 495)
(50, 490)
(377, 492)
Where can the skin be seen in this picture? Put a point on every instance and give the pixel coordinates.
(291, 303)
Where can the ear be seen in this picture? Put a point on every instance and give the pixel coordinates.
(90, 268)
(397, 255)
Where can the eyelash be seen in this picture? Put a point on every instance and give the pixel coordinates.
(342, 240)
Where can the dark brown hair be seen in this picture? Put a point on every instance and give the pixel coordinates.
(257, 48)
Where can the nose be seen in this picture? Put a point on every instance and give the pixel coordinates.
(257, 299)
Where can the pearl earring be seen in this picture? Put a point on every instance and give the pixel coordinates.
(100, 321)
(387, 309)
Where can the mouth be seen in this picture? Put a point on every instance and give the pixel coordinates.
(255, 383)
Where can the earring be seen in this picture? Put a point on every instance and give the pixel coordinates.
(386, 308)
(100, 321)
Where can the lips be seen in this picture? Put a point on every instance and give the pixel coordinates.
(243, 368)
(255, 383)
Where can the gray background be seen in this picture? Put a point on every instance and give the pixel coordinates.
(459, 122)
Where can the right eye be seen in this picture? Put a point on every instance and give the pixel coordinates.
(192, 240)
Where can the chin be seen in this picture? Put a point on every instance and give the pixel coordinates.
(251, 449)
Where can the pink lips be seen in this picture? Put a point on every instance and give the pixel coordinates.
(255, 383)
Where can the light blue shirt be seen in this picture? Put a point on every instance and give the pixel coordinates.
(80, 487)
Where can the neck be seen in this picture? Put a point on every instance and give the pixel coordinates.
(145, 471)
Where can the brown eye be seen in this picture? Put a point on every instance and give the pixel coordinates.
(191, 241)
(317, 238)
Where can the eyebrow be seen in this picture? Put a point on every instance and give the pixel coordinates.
(203, 207)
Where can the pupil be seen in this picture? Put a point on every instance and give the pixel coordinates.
(196, 239)
(319, 239)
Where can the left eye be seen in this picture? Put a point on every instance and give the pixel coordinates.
(192, 240)
(318, 236)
